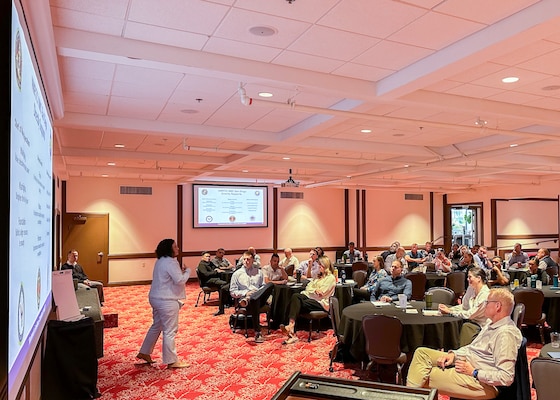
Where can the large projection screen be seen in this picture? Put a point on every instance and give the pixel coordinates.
(230, 206)
(30, 243)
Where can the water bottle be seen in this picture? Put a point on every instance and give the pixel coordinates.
(533, 281)
(555, 281)
(365, 256)
(429, 300)
(343, 276)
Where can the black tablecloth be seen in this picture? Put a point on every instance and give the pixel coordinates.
(283, 293)
(551, 307)
(418, 330)
(545, 349)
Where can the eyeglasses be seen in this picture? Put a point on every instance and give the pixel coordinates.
(491, 301)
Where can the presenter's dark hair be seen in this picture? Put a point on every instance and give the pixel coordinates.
(165, 248)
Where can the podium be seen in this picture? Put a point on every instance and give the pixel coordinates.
(69, 369)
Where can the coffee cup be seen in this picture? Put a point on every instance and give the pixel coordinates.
(402, 301)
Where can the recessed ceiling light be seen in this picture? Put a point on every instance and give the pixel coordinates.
(366, 131)
(265, 94)
(120, 146)
(406, 165)
(285, 158)
(513, 145)
(189, 111)
(111, 163)
(104, 175)
(510, 79)
(262, 30)
(245, 170)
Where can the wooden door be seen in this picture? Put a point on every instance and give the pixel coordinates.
(89, 235)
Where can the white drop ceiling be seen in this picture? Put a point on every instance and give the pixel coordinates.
(163, 79)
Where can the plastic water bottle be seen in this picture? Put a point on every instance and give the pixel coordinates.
(343, 276)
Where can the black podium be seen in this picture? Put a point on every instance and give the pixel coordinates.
(69, 368)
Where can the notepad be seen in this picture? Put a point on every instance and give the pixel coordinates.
(554, 354)
(431, 313)
(411, 311)
(380, 303)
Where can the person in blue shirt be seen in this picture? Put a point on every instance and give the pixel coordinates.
(390, 287)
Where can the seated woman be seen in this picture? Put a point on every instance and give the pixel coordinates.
(315, 297)
(378, 273)
(472, 306)
(442, 262)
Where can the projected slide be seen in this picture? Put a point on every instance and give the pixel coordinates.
(30, 204)
(230, 206)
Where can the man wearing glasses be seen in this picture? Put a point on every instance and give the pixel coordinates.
(474, 370)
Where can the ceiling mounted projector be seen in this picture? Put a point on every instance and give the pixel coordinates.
(290, 182)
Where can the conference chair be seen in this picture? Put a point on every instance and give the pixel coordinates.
(533, 300)
(334, 313)
(383, 342)
(545, 371)
(418, 280)
(518, 314)
(290, 270)
(359, 277)
(241, 315)
(442, 295)
(456, 281)
(207, 290)
(551, 271)
(314, 316)
(359, 266)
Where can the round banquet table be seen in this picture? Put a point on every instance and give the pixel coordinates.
(418, 330)
(551, 307)
(545, 349)
(283, 293)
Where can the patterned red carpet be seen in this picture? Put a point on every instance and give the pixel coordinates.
(224, 365)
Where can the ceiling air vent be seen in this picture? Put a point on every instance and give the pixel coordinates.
(409, 196)
(136, 190)
(291, 195)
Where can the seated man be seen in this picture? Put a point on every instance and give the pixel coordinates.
(352, 254)
(289, 260)
(247, 284)
(414, 257)
(79, 274)
(518, 257)
(390, 287)
(310, 267)
(256, 258)
(398, 255)
(392, 250)
(534, 269)
(497, 276)
(210, 276)
(273, 272)
(315, 297)
(220, 261)
(473, 371)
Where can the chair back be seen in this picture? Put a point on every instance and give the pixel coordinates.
(359, 266)
(551, 271)
(383, 337)
(290, 270)
(518, 314)
(418, 280)
(545, 371)
(520, 389)
(442, 295)
(334, 313)
(359, 277)
(533, 300)
(456, 282)
(200, 278)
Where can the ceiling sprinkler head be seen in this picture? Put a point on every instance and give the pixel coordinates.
(290, 1)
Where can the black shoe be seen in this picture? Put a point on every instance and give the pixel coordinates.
(259, 338)
(219, 312)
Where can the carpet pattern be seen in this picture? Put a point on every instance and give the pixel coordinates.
(224, 365)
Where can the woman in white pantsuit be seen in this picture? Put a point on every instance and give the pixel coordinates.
(166, 293)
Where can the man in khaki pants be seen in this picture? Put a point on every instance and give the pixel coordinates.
(473, 371)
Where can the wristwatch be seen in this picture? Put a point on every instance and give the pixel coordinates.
(475, 374)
